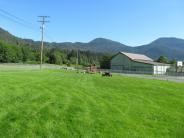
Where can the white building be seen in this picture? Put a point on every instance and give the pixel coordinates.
(179, 63)
(137, 63)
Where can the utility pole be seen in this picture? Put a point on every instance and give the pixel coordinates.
(77, 59)
(42, 21)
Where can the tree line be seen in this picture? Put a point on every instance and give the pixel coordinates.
(29, 54)
(164, 59)
(52, 55)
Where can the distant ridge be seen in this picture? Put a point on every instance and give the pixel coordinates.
(171, 47)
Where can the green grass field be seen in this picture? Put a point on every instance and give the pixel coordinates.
(55, 103)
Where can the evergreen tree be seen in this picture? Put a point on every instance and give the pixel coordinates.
(162, 59)
(105, 62)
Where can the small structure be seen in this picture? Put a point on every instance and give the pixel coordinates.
(137, 63)
(179, 63)
(107, 74)
(92, 69)
(179, 67)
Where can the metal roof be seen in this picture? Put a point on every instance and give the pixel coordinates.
(143, 59)
(137, 56)
(151, 62)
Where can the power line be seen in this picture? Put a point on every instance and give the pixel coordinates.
(42, 21)
(15, 21)
(13, 18)
(7, 15)
(49, 37)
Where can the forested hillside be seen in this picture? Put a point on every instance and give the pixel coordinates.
(14, 49)
(25, 53)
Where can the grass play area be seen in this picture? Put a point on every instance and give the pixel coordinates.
(56, 103)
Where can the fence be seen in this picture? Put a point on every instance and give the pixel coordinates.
(17, 66)
(169, 75)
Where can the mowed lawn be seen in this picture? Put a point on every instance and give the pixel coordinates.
(55, 103)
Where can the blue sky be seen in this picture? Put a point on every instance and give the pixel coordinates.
(132, 22)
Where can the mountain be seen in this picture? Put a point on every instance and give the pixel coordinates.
(96, 45)
(9, 38)
(173, 48)
(106, 45)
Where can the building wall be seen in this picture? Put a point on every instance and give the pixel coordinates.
(160, 70)
(147, 68)
(122, 62)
